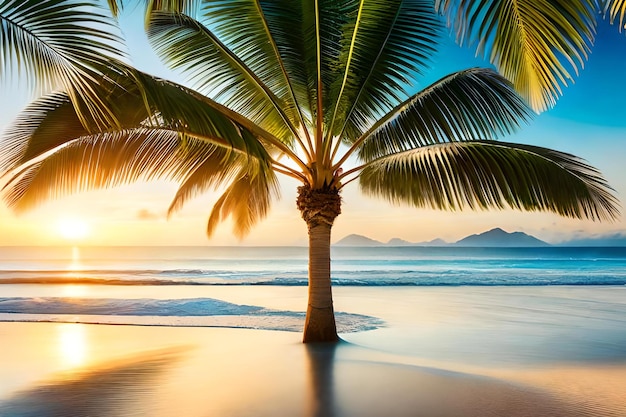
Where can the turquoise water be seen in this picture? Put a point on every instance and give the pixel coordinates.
(368, 266)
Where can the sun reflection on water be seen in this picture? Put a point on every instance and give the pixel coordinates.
(75, 264)
(74, 270)
(72, 345)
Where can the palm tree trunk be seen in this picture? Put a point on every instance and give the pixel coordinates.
(320, 316)
(319, 208)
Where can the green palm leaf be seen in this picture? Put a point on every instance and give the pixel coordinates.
(51, 121)
(324, 23)
(308, 37)
(534, 43)
(251, 41)
(188, 7)
(400, 37)
(253, 186)
(383, 52)
(287, 21)
(467, 105)
(188, 45)
(61, 44)
(194, 114)
(488, 174)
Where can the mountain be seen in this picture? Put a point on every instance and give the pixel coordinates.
(492, 238)
(434, 242)
(360, 240)
(357, 240)
(399, 242)
(499, 238)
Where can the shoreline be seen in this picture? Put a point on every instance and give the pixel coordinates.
(235, 372)
(447, 352)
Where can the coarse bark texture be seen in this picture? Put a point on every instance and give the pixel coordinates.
(319, 208)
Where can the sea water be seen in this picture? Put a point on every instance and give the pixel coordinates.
(351, 266)
(179, 286)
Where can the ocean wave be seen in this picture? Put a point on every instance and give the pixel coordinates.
(347, 280)
(108, 271)
(204, 312)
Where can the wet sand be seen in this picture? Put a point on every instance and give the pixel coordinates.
(50, 369)
(553, 351)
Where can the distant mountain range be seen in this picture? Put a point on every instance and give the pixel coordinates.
(498, 237)
(492, 238)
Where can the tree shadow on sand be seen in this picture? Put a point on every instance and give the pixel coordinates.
(343, 385)
(120, 388)
(321, 358)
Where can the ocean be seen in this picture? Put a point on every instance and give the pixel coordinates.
(198, 286)
(351, 266)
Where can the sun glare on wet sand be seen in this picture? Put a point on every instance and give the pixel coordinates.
(72, 345)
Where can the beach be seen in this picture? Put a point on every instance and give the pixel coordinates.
(459, 351)
(170, 176)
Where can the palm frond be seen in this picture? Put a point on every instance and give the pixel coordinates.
(189, 7)
(110, 159)
(45, 124)
(52, 121)
(384, 50)
(616, 8)
(287, 22)
(488, 174)
(115, 6)
(194, 114)
(221, 169)
(184, 43)
(467, 105)
(247, 200)
(251, 41)
(61, 44)
(533, 43)
(140, 100)
(323, 25)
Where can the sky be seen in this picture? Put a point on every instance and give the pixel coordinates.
(589, 121)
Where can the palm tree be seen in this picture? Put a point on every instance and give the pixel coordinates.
(301, 89)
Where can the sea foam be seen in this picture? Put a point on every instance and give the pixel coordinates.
(205, 312)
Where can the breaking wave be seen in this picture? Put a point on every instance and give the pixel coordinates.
(204, 312)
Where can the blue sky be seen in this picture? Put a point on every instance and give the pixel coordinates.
(588, 121)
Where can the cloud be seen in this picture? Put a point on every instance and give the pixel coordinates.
(145, 214)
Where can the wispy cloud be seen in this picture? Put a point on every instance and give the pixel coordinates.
(145, 214)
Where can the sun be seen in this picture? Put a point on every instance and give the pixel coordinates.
(73, 228)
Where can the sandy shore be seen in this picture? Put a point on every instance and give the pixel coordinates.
(49, 369)
(535, 352)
